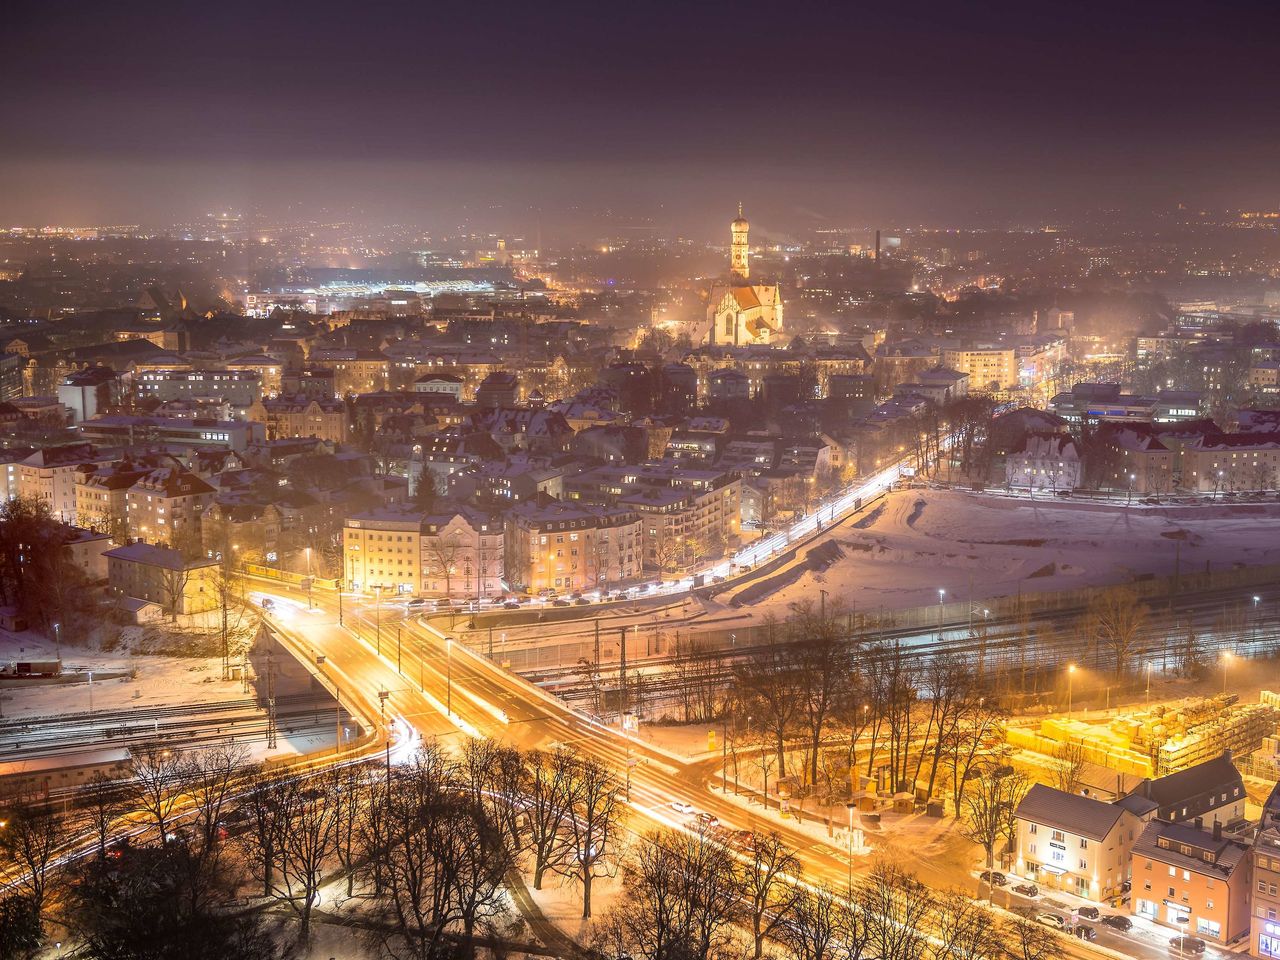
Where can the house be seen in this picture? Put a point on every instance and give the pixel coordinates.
(86, 549)
(1044, 461)
(161, 575)
(1192, 880)
(1073, 843)
(166, 504)
(302, 416)
(1264, 932)
(1212, 792)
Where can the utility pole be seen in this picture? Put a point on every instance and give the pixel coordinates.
(398, 670)
(622, 676)
(271, 702)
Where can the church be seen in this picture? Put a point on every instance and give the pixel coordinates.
(740, 313)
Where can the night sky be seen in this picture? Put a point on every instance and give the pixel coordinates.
(511, 114)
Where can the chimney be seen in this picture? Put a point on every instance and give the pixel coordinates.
(1217, 829)
(1199, 823)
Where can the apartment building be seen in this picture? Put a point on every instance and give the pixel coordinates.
(165, 504)
(49, 475)
(302, 416)
(1192, 880)
(162, 576)
(382, 551)
(568, 547)
(1074, 843)
(989, 368)
(1264, 918)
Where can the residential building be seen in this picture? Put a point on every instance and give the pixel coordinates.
(989, 368)
(165, 505)
(1044, 461)
(49, 475)
(269, 371)
(567, 547)
(1231, 462)
(1211, 793)
(463, 554)
(443, 383)
(239, 388)
(382, 551)
(101, 492)
(1073, 843)
(160, 575)
(1264, 857)
(1192, 880)
(302, 416)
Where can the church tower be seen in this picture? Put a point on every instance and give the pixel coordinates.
(738, 250)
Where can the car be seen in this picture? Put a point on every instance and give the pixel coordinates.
(1027, 890)
(1118, 921)
(708, 821)
(742, 839)
(1085, 932)
(268, 603)
(582, 601)
(1051, 920)
(444, 603)
(418, 602)
(679, 806)
(561, 602)
(994, 877)
(1089, 913)
(511, 604)
(1187, 946)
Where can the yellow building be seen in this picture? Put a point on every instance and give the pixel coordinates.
(989, 368)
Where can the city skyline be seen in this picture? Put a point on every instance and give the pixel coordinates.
(940, 114)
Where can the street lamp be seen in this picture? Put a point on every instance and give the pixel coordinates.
(310, 605)
(91, 693)
(1149, 666)
(1130, 499)
(1226, 659)
(942, 594)
(448, 652)
(1071, 675)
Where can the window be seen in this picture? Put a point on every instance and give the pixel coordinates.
(1058, 836)
(1084, 844)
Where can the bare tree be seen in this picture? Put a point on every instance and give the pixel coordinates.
(1025, 939)
(771, 681)
(1116, 621)
(767, 880)
(592, 825)
(30, 838)
(1068, 766)
(102, 801)
(549, 795)
(893, 905)
(158, 775)
(821, 927)
(682, 899)
(989, 805)
(966, 930)
(979, 728)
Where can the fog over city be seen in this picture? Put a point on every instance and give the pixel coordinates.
(655, 482)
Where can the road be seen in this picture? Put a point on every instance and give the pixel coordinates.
(442, 689)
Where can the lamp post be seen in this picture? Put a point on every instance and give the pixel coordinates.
(377, 616)
(1130, 499)
(1149, 666)
(91, 693)
(310, 605)
(448, 652)
(1071, 675)
(1226, 659)
(942, 595)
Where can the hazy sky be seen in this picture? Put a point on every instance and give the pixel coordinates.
(531, 112)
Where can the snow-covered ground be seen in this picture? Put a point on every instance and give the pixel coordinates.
(905, 548)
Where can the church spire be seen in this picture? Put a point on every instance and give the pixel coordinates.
(738, 265)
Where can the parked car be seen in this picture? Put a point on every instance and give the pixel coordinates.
(1085, 932)
(1051, 920)
(511, 604)
(679, 806)
(582, 601)
(994, 877)
(561, 602)
(1027, 890)
(1089, 913)
(1187, 946)
(1118, 921)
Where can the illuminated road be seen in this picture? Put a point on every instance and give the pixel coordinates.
(442, 689)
